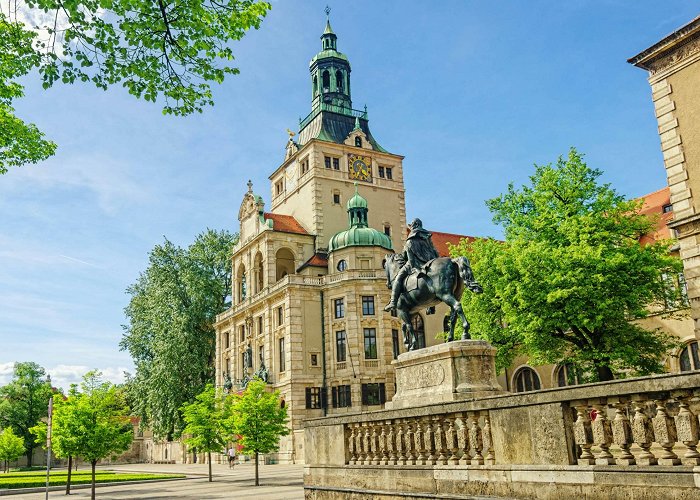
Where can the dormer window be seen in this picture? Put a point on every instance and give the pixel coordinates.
(667, 208)
(304, 165)
(358, 141)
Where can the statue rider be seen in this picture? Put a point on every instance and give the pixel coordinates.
(418, 251)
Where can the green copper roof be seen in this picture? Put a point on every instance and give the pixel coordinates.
(358, 234)
(334, 127)
(327, 54)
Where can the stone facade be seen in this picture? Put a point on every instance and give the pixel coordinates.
(312, 316)
(674, 73)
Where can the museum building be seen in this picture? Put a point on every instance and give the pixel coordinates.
(309, 287)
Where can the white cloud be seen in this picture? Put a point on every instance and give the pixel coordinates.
(6, 372)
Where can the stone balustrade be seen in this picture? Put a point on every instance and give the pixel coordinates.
(576, 441)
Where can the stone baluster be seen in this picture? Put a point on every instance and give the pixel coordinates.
(419, 443)
(429, 436)
(439, 438)
(374, 444)
(476, 438)
(622, 433)
(410, 444)
(602, 434)
(366, 450)
(583, 435)
(400, 444)
(452, 441)
(463, 435)
(383, 448)
(358, 444)
(391, 443)
(351, 445)
(642, 433)
(665, 434)
(687, 429)
(490, 458)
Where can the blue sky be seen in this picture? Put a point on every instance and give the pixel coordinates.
(472, 93)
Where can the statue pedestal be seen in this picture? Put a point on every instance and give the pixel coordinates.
(453, 371)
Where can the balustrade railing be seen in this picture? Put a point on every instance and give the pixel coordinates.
(454, 438)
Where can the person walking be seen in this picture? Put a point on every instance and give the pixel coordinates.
(231, 457)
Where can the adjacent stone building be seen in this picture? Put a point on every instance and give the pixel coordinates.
(309, 286)
(674, 74)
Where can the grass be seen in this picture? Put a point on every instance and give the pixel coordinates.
(33, 479)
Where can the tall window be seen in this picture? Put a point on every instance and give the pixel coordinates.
(370, 343)
(340, 346)
(387, 229)
(261, 355)
(226, 340)
(336, 163)
(567, 374)
(340, 396)
(314, 398)
(689, 358)
(388, 173)
(395, 343)
(373, 394)
(368, 305)
(280, 316)
(339, 81)
(381, 171)
(260, 325)
(327, 161)
(326, 77)
(418, 330)
(339, 308)
(282, 366)
(526, 379)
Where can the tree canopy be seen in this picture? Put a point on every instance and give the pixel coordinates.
(170, 333)
(259, 419)
(24, 402)
(571, 276)
(160, 49)
(11, 447)
(206, 422)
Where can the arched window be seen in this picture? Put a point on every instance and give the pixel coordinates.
(342, 265)
(689, 357)
(241, 283)
(284, 263)
(526, 379)
(418, 330)
(339, 80)
(259, 273)
(358, 141)
(315, 85)
(326, 76)
(567, 374)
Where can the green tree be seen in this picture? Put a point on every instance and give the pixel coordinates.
(259, 420)
(205, 420)
(100, 423)
(161, 49)
(24, 402)
(170, 334)
(571, 276)
(65, 430)
(11, 447)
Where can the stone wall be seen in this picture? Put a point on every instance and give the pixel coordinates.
(628, 439)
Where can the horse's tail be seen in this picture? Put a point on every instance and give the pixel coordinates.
(465, 271)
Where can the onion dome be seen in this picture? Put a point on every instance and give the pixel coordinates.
(358, 234)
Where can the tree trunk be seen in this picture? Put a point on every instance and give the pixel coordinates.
(209, 460)
(30, 455)
(257, 479)
(70, 468)
(92, 493)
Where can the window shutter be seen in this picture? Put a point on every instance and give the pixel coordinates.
(382, 394)
(324, 397)
(364, 394)
(308, 397)
(348, 401)
(334, 397)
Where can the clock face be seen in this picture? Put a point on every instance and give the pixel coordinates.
(360, 167)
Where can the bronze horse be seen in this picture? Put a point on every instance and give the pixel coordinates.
(440, 280)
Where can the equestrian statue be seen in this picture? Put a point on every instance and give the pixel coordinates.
(419, 278)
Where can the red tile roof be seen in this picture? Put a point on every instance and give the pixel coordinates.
(654, 204)
(440, 240)
(316, 260)
(285, 223)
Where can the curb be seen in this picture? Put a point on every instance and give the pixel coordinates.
(19, 491)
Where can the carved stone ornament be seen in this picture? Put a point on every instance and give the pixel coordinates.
(678, 55)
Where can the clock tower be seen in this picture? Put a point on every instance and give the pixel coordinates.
(334, 149)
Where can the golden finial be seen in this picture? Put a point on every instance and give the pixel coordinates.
(291, 134)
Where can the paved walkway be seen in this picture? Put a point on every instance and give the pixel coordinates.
(277, 482)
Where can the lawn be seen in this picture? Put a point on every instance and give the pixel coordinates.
(33, 479)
